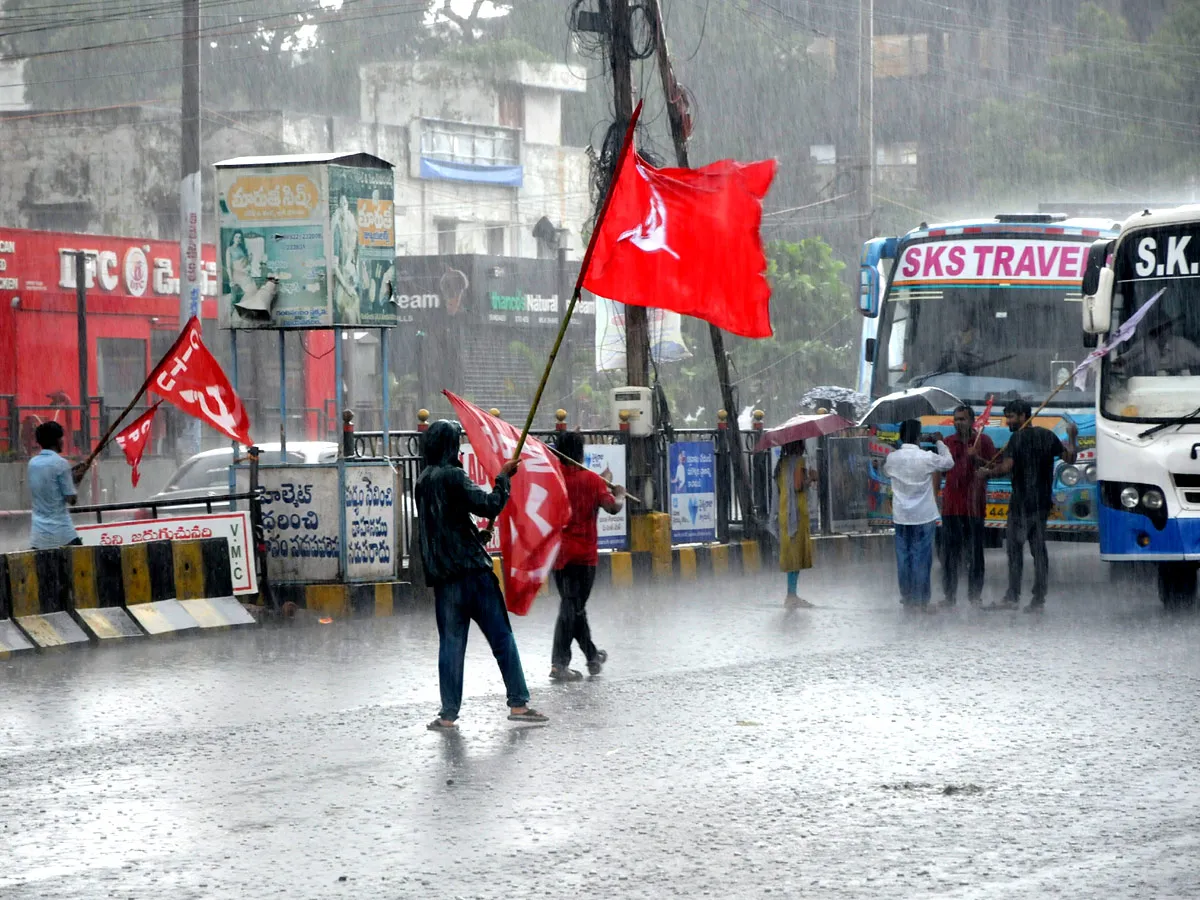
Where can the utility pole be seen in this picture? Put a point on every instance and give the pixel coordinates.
(866, 118)
(191, 268)
(85, 408)
(637, 334)
(679, 137)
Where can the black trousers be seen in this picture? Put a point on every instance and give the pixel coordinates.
(574, 587)
(962, 543)
(1027, 527)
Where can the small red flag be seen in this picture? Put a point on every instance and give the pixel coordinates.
(189, 377)
(982, 422)
(133, 439)
(532, 522)
(686, 240)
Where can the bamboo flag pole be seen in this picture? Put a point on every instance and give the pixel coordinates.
(1037, 412)
(626, 146)
(580, 465)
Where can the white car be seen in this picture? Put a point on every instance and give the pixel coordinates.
(207, 474)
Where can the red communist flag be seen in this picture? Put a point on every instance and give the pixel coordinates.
(531, 525)
(686, 240)
(133, 439)
(189, 377)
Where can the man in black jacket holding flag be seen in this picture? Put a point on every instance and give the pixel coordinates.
(459, 570)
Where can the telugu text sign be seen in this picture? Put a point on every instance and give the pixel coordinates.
(992, 260)
(234, 527)
(371, 531)
(612, 531)
(693, 492)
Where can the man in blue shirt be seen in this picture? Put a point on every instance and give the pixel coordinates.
(52, 486)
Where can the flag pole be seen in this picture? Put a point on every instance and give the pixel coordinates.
(116, 423)
(86, 464)
(580, 465)
(626, 146)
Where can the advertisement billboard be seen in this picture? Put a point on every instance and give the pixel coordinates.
(306, 244)
(693, 492)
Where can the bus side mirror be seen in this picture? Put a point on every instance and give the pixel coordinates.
(1097, 258)
(868, 291)
(869, 350)
(1097, 305)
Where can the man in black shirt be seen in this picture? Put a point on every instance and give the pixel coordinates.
(1029, 456)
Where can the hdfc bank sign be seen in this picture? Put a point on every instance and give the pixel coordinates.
(43, 261)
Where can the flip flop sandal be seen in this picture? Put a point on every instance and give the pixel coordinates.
(438, 725)
(530, 715)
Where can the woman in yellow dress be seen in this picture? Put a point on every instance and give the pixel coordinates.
(789, 518)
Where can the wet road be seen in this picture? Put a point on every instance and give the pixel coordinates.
(731, 749)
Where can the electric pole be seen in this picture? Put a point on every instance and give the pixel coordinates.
(866, 123)
(191, 267)
(85, 407)
(679, 137)
(637, 335)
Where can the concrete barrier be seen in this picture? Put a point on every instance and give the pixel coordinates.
(97, 593)
(76, 595)
(39, 586)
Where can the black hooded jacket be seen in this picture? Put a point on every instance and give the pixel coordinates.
(446, 498)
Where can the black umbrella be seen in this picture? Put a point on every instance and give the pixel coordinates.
(911, 404)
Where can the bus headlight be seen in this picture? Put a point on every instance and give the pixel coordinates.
(1069, 475)
(1152, 499)
(1130, 498)
(1089, 472)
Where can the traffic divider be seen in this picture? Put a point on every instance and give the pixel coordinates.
(74, 594)
(96, 594)
(39, 591)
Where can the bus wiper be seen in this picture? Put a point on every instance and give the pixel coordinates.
(1178, 422)
(921, 379)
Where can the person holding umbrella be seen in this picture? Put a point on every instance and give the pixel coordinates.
(789, 518)
(914, 509)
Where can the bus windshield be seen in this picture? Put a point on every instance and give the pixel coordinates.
(1155, 375)
(980, 341)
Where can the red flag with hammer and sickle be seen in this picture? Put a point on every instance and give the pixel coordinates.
(133, 439)
(190, 377)
(538, 508)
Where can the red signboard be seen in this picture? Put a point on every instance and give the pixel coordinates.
(34, 263)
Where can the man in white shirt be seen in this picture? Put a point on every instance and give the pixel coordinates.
(914, 509)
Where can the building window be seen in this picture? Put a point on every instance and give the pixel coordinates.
(447, 233)
(823, 154)
(477, 145)
(121, 366)
(495, 240)
(512, 106)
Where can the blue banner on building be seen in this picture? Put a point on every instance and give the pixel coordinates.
(508, 176)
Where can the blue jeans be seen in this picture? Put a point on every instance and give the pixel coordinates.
(475, 597)
(914, 559)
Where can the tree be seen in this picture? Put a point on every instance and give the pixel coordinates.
(1113, 114)
(814, 343)
(293, 54)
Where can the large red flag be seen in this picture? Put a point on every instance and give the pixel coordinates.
(538, 509)
(133, 439)
(686, 240)
(189, 377)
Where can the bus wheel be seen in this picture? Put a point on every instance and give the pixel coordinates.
(1177, 585)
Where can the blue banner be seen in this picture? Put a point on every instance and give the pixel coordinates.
(693, 492)
(509, 176)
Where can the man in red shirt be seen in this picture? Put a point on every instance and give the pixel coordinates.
(964, 506)
(575, 569)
